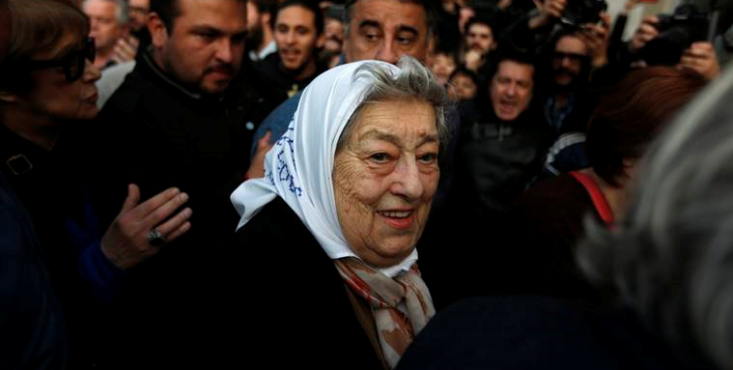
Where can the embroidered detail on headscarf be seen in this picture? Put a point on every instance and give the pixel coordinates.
(283, 170)
(397, 323)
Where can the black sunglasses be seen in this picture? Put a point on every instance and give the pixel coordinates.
(73, 63)
(572, 56)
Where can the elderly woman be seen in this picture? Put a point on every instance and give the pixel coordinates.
(46, 94)
(345, 197)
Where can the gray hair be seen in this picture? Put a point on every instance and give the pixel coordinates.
(415, 82)
(671, 258)
(121, 13)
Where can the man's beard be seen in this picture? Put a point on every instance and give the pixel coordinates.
(567, 87)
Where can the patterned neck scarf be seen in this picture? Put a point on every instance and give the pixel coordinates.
(397, 323)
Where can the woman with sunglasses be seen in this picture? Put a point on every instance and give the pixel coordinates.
(47, 95)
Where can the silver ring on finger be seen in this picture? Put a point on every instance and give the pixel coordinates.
(156, 238)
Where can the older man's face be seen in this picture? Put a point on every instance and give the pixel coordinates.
(385, 30)
(105, 27)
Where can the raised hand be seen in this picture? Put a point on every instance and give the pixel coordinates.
(127, 241)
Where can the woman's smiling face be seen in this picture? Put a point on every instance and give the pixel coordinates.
(385, 177)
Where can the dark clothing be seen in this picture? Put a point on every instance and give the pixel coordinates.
(51, 186)
(546, 221)
(536, 333)
(281, 81)
(304, 316)
(158, 134)
(33, 331)
(496, 160)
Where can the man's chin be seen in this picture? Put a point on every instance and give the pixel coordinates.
(215, 87)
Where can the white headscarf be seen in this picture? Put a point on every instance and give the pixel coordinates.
(299, 167)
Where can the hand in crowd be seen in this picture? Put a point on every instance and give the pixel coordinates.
(548, 10)
(629, 5)
(126, 243)
(257, 165)
(503, 4)
(472, 59)
(700, 57)
(125, 49)
(595, 36)
(646, 32)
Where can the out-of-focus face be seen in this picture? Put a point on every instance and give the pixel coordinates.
(138, 11)
(384, 179)
(204, 49)
(567, 61)
(297, 38)
(104, 26)
(53, 98)
(443, 66)
(334, 34)
(511, 89)
(385, 30)
(463, 87)
(480, 38)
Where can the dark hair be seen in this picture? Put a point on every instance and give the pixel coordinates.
(480, 19)
(38, 26)
(461, 70)
(308, 4)
(428, 5)
(167, 11)
(265, 6)
(632, 114)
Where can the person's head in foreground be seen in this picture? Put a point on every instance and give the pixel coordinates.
(359, 166)
(671, 258)
(47, 76)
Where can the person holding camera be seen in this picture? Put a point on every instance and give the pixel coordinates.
(658, 38)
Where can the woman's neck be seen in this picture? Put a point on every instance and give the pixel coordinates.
(38, 130)
(615, 195)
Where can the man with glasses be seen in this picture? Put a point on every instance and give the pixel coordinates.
(571, 100)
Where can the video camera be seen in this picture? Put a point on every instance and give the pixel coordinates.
(579, 12)
(677, 32)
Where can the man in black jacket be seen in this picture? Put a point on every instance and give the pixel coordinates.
(183, 118)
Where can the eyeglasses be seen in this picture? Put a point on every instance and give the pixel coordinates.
(572, 56)
(72, 63)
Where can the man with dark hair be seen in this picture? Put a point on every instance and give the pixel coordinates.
(183, 118)
(260, 41)
(298, 30)
(499, 153)
(479, 42)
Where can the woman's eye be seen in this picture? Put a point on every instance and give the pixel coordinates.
(428, 158)
(379, 157)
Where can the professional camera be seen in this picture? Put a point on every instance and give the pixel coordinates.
(579, 12)
(676, 33)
